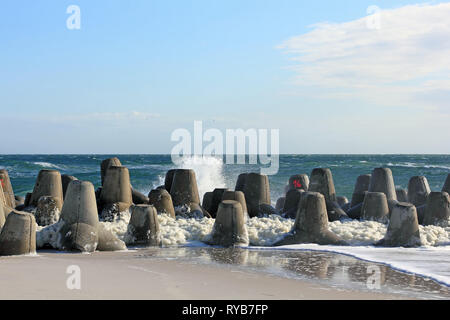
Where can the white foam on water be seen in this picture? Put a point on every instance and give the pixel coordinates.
(431, 262)
(47, 165)
(208, 171)
(49, 235)
(266, 231)
(417, 165)
(119, 225)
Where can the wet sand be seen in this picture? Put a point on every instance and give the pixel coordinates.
(205, 273)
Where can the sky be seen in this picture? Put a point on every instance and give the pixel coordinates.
(333, 76)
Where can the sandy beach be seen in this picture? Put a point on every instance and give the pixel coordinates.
(145, 274)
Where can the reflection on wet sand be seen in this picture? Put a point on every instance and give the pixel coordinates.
(326, 268)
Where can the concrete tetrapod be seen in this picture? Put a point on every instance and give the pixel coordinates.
(342, 201)
(207, 201)
(446, 187)
(106, 164)
(402, 195)
(196, 210)
(19, 201)
(138, 198)
(437, 211)
(240, 183)
(80, 218)
(168, 179)
(292, 202)
(236, 196)
(418, 190)
(162, 201)
(375, 207)
(216, 200)
(382, 180)
(65, 180)
(115, 196)
(18, 235)
(229, 228)
(322, 182)
(143, 227)
(184, 188)
(299, 181)
(48, 183)
(359, 192)
(257, 192)
(280, 204)
(421, 210)
(8, 192)
(361, 186)
(2, 215)
(2, 196)
(311, 224)
(403, 228)
(47, 211)
(108, 241)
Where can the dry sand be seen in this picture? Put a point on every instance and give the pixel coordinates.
(123, 275)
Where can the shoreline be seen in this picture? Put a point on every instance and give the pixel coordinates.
(171, 274)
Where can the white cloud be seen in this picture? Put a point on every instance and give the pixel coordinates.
(406, 62)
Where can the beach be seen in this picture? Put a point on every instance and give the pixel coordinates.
(197, 273)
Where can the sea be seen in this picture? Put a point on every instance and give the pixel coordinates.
(431, 261)
(148, 171)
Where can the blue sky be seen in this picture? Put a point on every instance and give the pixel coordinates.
(137, 70)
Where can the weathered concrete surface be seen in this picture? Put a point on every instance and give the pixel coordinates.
(116, 189)
(361, 187)
(403, 228)
(437, 211)
(138, 198)
(299, 181)
(292, 202)
(184, 188)
(168, 179)
(375, 207)
(229, 228)
(240, 183)
(48, 183)
(402, 195)
(106, 164)
(236, 196)
(280, 204)
(65, 180)
(322, 182)
(18, 235)
(382, 180)
(80, 217)
(8, 192)
(108, 241)
(47, 211)
(162, 201)
(257, 192)
(143, 227)
(418, 190)
(311, 224)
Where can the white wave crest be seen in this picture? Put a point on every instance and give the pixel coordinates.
(47, 165)
(208, 171)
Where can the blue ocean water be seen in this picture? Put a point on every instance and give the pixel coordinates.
(147, 171)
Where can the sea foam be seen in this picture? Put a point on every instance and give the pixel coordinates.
(267, 230)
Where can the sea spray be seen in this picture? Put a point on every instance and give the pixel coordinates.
(208, 170)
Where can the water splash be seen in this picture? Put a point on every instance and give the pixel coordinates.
(209, 172)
